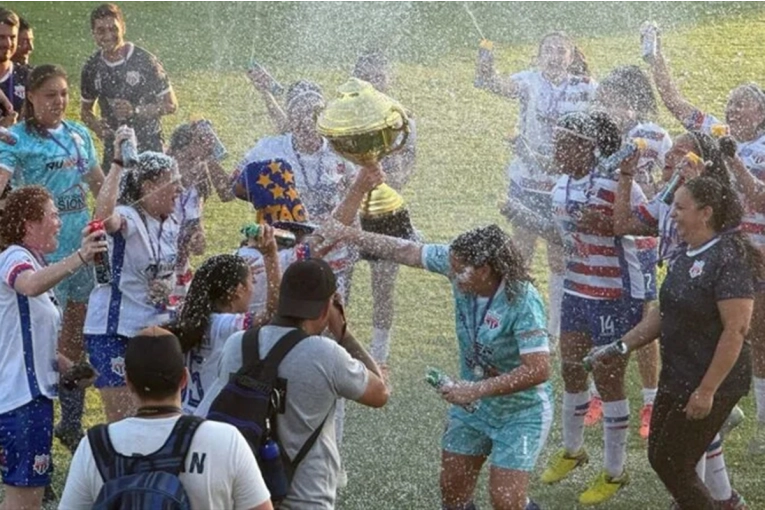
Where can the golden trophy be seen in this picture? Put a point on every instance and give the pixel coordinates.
(364, 125)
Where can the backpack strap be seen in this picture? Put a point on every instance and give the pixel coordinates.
(278, 352)
(292, 464)
(104, 453)
(183, 433)
(250, 351)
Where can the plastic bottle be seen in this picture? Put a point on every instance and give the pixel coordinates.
(438, 379)
(101, 265)
(273, 471)
(649, 41)
(284, 237)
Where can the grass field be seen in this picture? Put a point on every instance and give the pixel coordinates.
(392, 455)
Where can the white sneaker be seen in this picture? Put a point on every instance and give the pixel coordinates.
(342, 478)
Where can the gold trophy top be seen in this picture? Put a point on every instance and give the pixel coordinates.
(360, 109)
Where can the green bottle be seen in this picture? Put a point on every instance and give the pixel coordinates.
(438, 379)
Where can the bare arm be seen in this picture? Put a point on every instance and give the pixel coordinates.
(376, 393)
(275, 112)
(670, 94)
(221, 181)
(107, 200)
(95, 179)
(646, 331)
(394, 249)
(534, 370)
(167, 105)
(366, 180)
(5, 176)
(625, 221)
(751, 187)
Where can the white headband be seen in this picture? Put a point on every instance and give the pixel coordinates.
(574, 133)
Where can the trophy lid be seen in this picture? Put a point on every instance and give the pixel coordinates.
(359, 108)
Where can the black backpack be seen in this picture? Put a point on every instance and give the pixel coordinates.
(143, 482)
(251, 401)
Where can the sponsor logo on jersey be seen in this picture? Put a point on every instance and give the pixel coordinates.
(42, 464)
(696, 269)
(492, 321)
(118, 366)
(133, 78)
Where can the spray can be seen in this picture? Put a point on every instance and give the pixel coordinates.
(101, 266)
(129, 152)
(609, 165)
(438, 379)
(274, 87)
(667, 195)
(484, 64)
(649, 35)
(617, 348)
(219, 151)
(283, 237)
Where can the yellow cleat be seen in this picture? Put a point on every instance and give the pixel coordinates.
(561, 464)
(603, 488)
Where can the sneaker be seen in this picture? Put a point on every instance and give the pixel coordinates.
(342, 479)
(603, 488)
(645, 420)
(734, 419)
(532, 505)
(561, 464)
(69, 438)
(594, 413)
(757, 443)
(736, 502)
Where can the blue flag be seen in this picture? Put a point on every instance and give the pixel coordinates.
(270, 186)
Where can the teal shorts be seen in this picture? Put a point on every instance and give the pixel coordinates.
(515, 446)
(75, 288)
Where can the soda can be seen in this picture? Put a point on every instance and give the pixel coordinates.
(649, 41)
(129, 153)
(101, 266)
(219, 150)
(274, 86)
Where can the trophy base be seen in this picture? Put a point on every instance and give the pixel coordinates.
(394, 224)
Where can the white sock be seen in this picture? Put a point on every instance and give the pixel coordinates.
(616, 424)
(380, 346)
(701, 467)
(649, 395)
(759, 398)
(594, 390)
(716, 477)
(555, 293)
(575, 407)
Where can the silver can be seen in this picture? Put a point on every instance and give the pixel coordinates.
(649, 35)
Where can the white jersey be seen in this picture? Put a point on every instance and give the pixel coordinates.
(29, 328)
(752, 153)
(188, 205)
(597, 266)
(656, 214)
(202, 362)
(658, 144)
(321, 178)
(143, 250)
(542, 103)
(220, 470)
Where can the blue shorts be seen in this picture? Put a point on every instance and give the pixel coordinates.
(107, 355)
(76, 288)
(648, 260)
(604, 320)
(26, 438)
(515, 446)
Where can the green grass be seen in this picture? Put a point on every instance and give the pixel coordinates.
(392, 455)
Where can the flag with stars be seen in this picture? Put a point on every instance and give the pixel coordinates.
(270, 186)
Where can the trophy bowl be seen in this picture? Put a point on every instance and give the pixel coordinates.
(364, 125)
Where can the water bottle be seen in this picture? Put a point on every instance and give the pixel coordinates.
(438, 379)
(272, 468)
(274, 87)
(649, 41)
(219, 151)
(484, 65)
(129, 152)
(101, 265)
(617, 348)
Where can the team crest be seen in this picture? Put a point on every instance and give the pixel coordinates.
(20, 91)
(118, 366)
(696, 269)
(491, 321)
(133, 78)
(42, 464)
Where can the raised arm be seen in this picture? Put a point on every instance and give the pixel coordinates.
(625, 221)
(752, 188)
(107, 197)
(262, 83)
(221, 181)
(670, 94)
(367, 179)
(501, 85)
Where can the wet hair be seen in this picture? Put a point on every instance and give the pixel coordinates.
(214, 284)
(182, 136)
(727, 214)
(633, 87)
(151, 166)
(22, 205)
(708, 149)
(757, 93)
(491, 245)
(106, 11)
(597, 126)
(8, 17)
(37, 78)
(578, 65)
(24, 24)
(371, 62)
(300, 89)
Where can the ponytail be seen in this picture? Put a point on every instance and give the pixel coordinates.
(491, 245)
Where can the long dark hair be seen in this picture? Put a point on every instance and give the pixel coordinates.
(214, 284)
(491, 245)
(631, 85)
(578, 65)
(709, 150)
(151, 165)
(596, 125)
(37, 79)
(727, 213)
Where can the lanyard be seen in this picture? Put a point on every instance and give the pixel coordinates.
(571, 206)
(80, 161)
(155, 252)
(300, 163)
(476, 322)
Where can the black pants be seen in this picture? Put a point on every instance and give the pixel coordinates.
(676, 445)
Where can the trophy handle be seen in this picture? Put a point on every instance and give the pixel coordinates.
(404, 129)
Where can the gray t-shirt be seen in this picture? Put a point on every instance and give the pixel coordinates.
(318, 372)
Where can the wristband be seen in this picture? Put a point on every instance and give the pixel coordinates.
(84, 262)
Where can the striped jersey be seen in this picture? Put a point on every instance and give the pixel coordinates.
(597, 266)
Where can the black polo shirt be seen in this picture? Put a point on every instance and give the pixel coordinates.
(690, 320)
(14, 85)
(139, 78)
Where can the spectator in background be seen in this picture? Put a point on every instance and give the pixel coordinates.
(129, 84)
(26, 43)
(13, 78)
(227, 476)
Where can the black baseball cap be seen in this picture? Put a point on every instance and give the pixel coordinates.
(306, 288)
(154, 362)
